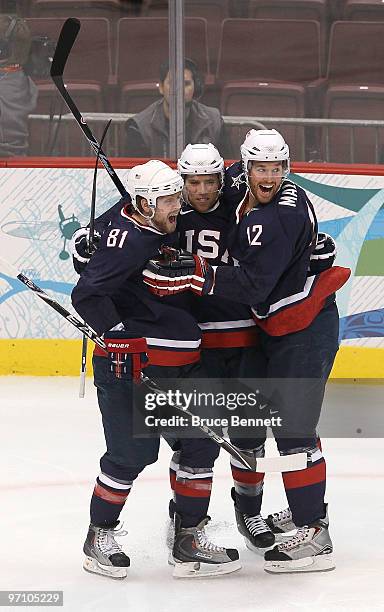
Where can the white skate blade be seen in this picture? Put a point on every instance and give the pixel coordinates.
(319, 563)
(94, 567)
(196, 569)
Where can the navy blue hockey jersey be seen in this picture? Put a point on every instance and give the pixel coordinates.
(110, 291)
(272, 245)
(224, 323)
(235, 185)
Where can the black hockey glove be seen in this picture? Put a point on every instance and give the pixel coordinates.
(177, 271)
(323, 255)
(127, 352)
(81, 249)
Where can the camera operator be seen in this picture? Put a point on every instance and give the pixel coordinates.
(18, 93)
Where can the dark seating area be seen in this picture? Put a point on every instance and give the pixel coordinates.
(260, 58)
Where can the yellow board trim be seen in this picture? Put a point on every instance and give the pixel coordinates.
(42, 357)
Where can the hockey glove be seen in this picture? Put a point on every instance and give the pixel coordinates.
(127, 353)
(82, 251)
(177, 271)
(324, 254)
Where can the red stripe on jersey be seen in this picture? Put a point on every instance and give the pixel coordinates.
(99, 352)
(194, 488)
(247, 477)
(172, 358)
(303, 478)
(299, 315)
(109, 496)
(161, 357)
(230, 339)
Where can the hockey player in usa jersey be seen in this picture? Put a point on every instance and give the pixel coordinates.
(273, 236)
(110, 296)
(229, 334)
(203, 229)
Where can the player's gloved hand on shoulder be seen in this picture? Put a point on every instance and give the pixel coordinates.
(324, 254)
(81, 248)
(176, 271)
(127, 353)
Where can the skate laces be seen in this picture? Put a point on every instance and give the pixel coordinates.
(302, 534)
(106, 539)
(255, 524)
(282, 516)
(206, 544)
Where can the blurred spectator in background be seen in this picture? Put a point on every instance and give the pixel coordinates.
(18, 93)
(147, 133)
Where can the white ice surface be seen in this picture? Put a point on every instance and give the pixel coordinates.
(50, 444)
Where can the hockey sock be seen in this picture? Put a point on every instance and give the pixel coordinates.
(248, 490)
(248, 485)
(192, 494)
(173, 467)
(305, 489)
(108, 500)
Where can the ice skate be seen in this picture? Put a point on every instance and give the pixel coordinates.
(103, 555)
(308, 550)
(257, 534)
(281, 523)
(195, 556)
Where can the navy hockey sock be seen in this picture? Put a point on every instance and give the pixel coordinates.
(107, 502)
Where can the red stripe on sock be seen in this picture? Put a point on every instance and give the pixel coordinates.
(247, 477)
(193, 488)
(303, 478)
(172, 479)
(110, 496)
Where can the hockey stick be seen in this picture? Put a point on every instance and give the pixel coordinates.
(93, 200)
(7, 269)
(83, 368)
(286, 463)
(64, 45)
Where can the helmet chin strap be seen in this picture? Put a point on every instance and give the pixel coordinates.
(186, 201)
(148, 218)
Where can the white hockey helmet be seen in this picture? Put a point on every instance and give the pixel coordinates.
(151, 181)
(201, 159)
(264, 146)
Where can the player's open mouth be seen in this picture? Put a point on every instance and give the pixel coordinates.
(172, 218)
(266, 188)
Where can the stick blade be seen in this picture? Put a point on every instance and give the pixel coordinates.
(282, 463)
(67, 37)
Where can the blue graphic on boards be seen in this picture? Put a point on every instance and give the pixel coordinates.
(368, 324)
(362, 224)
(18, 287)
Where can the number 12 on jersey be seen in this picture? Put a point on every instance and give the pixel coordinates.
(254, 234)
